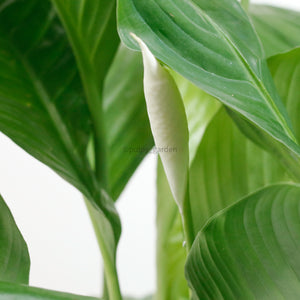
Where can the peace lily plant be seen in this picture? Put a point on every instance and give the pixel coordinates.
(218, 82)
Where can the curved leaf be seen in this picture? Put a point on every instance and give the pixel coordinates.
(14, 256)
(250, 250)
(9, 291)
(227, 167)
(278, 28)
(213, 44)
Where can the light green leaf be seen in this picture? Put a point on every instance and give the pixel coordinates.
(129, 136)
(9, 291)
(251, 249)
(285, 69)
(14, 256)
(107, 242)
(227, 167)
(278, 28)
(200, 109)
(219, 52)
(171, 254)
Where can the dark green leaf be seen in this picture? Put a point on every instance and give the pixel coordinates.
(213, 44)
(42, 107)
(91, 28)
(14, 256)
(129, 136)
(251, 249)
(278, 28)
(9, 291)
(42, 104)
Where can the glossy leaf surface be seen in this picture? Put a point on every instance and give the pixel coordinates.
(14, 256)
(227, 165)
(250, 250)
(219, 52)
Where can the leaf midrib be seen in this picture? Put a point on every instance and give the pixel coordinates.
(256, 81)
(54, 116)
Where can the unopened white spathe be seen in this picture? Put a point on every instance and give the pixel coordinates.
(168, 122)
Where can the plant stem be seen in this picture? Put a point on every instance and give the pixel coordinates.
(187, 220)
(110, 270)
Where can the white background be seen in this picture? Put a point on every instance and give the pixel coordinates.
(55, 223)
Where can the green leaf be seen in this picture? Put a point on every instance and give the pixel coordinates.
(200, 109)
(285, 69)
(171, 254)
(14, 256)
(129, 136)
(9, 291)
(42, 103)
(91, 28)
(219, 52)
(278, 28)
(227, 167)
(250, 250)
(42, 107)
